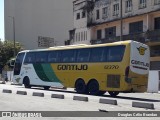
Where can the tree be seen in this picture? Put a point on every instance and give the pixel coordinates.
(7, 51)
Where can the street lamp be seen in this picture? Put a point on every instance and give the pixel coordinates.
(121, 18)
(13, 34)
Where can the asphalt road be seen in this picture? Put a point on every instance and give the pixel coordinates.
(15, 102)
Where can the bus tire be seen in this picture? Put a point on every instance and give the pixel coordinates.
(26, 82)
(80, 86)
(93, 87)
(46, 87)
(113, 94)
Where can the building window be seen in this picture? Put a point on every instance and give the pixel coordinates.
(128, 5)
(83, 14)
(105, 12)
(81, 36)
(116, 9)
(157, 23)
(78, 16)
(97, 14)
(110, 32)
(86, 35)
(99, 34)
(155, 51)
(76, 36)
(142, 4)
(136, 27)
(156, 2)
(155, 65)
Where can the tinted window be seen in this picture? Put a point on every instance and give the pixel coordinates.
(99, 34)
(97, 55)
(41, 57)
(136, 27)
(110, 32)
(83, 55)
(30, 58)
(114, 54)
(54, 56)
(68, 56)
(157, 23)
(18, 63)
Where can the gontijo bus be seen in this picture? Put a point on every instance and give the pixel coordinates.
(93, 69)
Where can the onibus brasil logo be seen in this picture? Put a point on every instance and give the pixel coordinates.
(142, 50)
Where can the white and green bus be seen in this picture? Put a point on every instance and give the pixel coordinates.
(93, 69)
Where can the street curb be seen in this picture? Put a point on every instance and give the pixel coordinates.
(38, 94)
(108, 101)
(143, 105)
(2, 83)
(80, 98)
(64, 88)
(60, 96)
(16, 84)
(22, 92)
(7, 91)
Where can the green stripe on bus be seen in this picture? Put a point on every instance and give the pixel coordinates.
(50, 73)
(40, 72)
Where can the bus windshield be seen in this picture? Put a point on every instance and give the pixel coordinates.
(18, 63)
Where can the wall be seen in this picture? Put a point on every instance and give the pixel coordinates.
(153, 82)
(33, 18)
(135, 10)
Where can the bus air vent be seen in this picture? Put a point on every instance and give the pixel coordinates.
(113, 81)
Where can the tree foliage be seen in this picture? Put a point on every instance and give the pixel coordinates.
(7, 51)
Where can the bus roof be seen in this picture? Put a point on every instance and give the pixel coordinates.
(82, 46)
(90, 46)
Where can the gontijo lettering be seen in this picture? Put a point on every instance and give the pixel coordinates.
(140, 63)
(72, 67)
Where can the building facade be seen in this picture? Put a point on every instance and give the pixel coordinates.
(105, 21)
(38, 23)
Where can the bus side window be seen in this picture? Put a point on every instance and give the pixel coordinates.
(83, 55)
(68, 56)
(41, 57)
(30, 58)
(115, 53)
(105, 54)
(97, 55)
(52, 56)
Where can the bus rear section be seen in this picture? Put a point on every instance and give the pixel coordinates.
(137, 73)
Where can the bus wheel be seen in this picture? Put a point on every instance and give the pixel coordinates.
(93, 87)
(26, 82)
(113, 94)
(80, 86)
(46, 87)
(101, 92)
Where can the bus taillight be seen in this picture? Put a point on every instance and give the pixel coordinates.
(127, 71)
(127, 79)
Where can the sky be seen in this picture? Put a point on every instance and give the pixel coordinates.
(2, 19)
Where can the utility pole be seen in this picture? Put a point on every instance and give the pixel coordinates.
(121, 18)
(14, 37)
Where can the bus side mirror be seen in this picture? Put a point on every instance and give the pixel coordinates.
(12, 63)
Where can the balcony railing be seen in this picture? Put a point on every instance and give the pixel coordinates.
(149, 36)
(106, 40)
